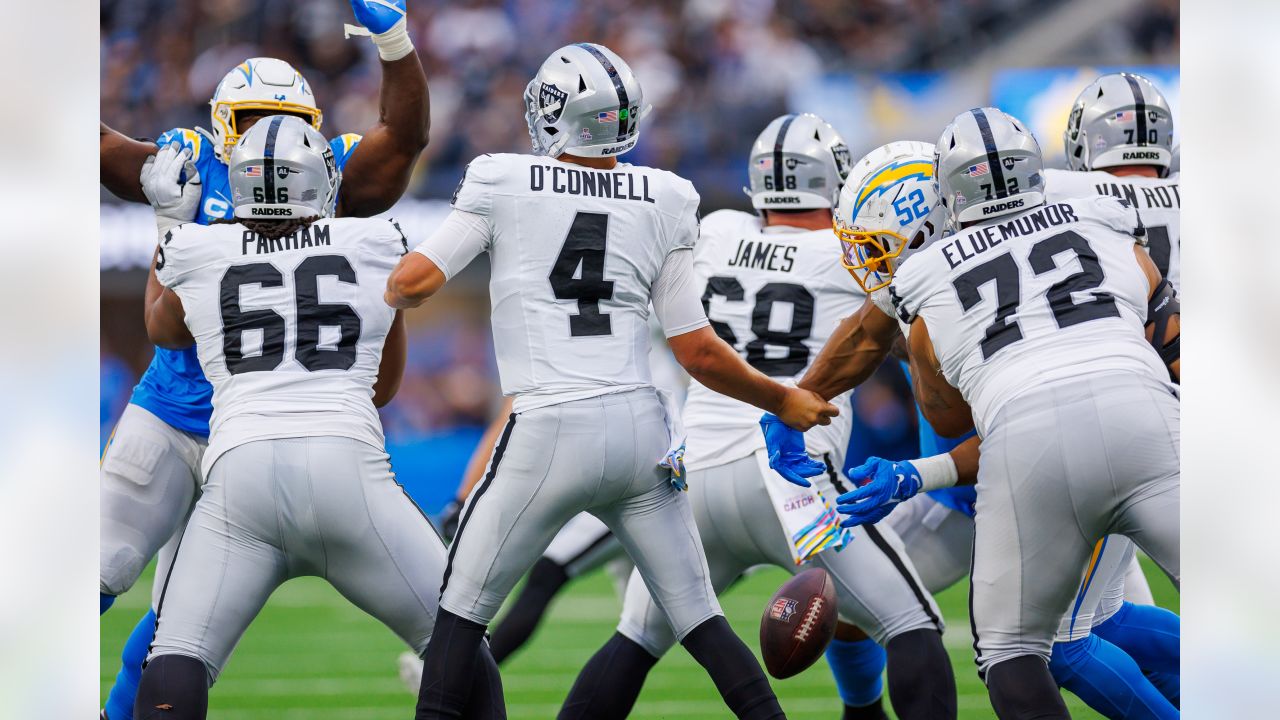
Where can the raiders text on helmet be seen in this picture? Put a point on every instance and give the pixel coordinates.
(987, 164)
(264, 84)
(283, 168)
(797, 163)
(584, 101)
(887, 210)
(1120, 119)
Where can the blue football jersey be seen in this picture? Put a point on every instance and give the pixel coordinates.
(174, 388)
(960, 498)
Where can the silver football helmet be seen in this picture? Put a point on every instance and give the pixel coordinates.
(584, 101)
(887, 211)
(797, 163)
(283, 168)
(987, 164)
(1120, 119)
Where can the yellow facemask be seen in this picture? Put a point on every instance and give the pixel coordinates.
(868, 255)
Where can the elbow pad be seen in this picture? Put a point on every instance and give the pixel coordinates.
(1162, 306)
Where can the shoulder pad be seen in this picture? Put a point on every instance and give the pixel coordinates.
(343, 145)
(1114, 213)
(198, 140)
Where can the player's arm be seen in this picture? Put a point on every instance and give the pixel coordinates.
(166, 324)
(421, 273)
(856, 348)
(942, 404)
(1164, 315)
(391, 367)
(379, 169)
(712, 362)
(882, 484)
(120, 163)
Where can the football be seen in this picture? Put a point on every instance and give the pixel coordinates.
(798, 622)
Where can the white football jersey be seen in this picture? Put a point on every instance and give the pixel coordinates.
(574, 254)
(289, 331)
(1041, 296)
(775, 294)
(1158, 200)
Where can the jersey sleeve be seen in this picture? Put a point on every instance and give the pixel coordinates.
(675, 295)
(343, 146)
(685, 231)
(474, 193)
(182, 250)
(1116, 214)
(459, 239)
(907, 292)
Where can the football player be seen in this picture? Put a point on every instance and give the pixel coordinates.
(1106, 643)
(580, 245)
(774, 290)
(286, 317)
(150, 470)
(937, 527)
(1074, 407)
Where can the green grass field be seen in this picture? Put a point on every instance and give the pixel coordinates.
(313, 656)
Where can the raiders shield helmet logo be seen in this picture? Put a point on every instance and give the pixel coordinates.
(844, 160)
(551, 102)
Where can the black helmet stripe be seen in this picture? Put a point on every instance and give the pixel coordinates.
(993, 154)
(269, 159)
(777, 151)
(618, 87)
(1139, 108)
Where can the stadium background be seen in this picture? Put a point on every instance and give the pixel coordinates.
(716, 71)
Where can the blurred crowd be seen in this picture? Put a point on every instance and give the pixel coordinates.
(715, 71)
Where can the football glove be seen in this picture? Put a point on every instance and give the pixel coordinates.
(882, 484)
(787, 457)
(385, 21)
(449, 517)
(674, 461)
(174, 201)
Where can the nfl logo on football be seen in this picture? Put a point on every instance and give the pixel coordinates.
(782, 609)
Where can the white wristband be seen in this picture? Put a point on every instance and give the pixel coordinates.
(936, 472)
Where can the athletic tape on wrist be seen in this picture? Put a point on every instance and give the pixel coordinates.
(392, 44)
(936, 472)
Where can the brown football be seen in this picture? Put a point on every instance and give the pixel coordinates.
(798, 622)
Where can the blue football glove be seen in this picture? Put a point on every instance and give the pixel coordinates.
(882, 484)
(787, 456)
(378, 15)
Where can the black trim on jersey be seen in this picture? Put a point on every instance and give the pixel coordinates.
(973, 624)
(777, 152)
(1139, 108)
(594, 546)
(896, 559)
(993, 154)
(164, 590)
(269, 160)
(477, 493)
(624, 103)
(834, 476)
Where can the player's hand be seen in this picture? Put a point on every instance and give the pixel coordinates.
(378, 16)
(449, 520)
(787, 455)
(674, 461)
(882, 484)
(174, 200)
(802, 409)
